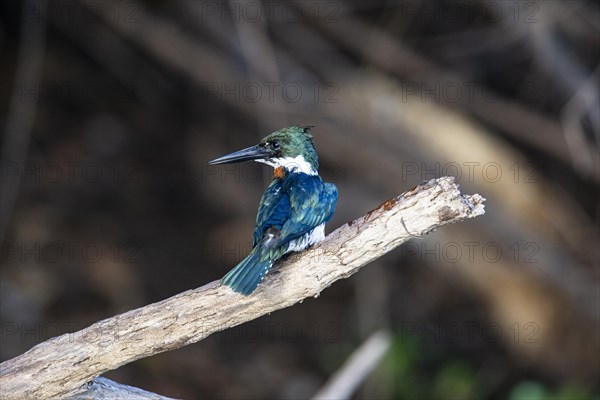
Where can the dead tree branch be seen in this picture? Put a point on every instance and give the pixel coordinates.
(105, 389)
(60, 366)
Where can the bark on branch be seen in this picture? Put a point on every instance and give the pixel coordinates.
(59, 367)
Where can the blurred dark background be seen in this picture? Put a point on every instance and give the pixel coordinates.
(110, 111)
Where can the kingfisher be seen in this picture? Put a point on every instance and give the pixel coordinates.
(293, 210)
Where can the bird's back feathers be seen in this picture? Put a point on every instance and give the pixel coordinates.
(290, 209)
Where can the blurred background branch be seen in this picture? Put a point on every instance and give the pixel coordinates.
(360, 364)
(19, 122)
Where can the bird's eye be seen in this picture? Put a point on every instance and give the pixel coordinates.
(275, 145)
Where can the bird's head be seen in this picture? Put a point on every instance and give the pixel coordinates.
(291, 148)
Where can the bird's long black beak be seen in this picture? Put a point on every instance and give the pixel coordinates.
(249, 154)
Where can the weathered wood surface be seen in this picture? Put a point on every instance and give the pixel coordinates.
(59, 367)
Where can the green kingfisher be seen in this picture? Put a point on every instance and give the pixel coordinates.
(293, 210)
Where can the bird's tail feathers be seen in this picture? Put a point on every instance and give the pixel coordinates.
(246, 276)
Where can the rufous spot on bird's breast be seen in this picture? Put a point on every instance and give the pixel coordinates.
(278, 173)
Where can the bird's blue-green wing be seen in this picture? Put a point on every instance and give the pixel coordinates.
(312, 203)
(291, 208)
(273, 211)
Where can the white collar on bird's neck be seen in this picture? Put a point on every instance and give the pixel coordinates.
(296, 164)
